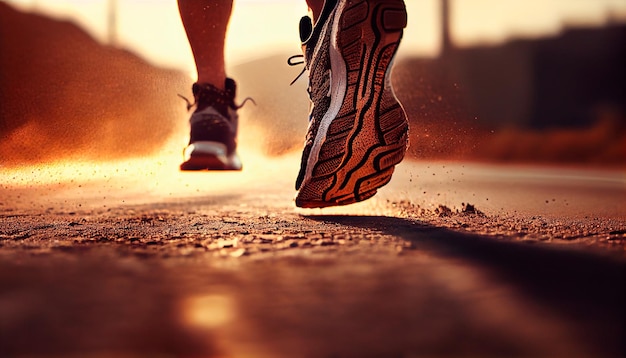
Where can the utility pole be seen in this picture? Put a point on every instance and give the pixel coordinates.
(112, 22)
(446, 40)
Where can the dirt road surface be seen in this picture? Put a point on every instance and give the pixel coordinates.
(136, 259)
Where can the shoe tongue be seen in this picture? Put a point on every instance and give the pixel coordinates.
(207, 95)
(306, 28)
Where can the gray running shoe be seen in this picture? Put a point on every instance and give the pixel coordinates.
(212, 142)
(358, 130)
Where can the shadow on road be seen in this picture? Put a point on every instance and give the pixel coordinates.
(586, 288)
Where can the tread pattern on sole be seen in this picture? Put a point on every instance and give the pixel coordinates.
(369, 135)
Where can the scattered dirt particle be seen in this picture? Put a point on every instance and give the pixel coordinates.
(469, 209)
(443, 211)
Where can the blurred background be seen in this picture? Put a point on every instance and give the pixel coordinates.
(529, 81)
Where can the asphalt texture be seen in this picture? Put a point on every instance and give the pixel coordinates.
(136, 259)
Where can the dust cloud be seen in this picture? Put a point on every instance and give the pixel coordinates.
(446, 125)
(65, 96)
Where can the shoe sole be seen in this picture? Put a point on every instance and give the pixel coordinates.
(209, 156)
(364, 134)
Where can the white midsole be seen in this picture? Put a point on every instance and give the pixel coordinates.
(212, 149)
(216, 149)
(337, 90)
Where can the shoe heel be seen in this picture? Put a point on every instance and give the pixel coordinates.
(394, 19)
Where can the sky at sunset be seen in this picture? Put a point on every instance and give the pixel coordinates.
(153, 29)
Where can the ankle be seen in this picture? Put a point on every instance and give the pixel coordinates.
(315, 6)
(216, 79)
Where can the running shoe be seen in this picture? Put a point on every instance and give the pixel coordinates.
(358, 130)
(213, 138)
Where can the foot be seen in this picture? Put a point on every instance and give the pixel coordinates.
(212, 143)
(358, 130)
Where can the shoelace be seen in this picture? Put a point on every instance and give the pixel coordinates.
(305, 29)
(291, 62)
(231, 105)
